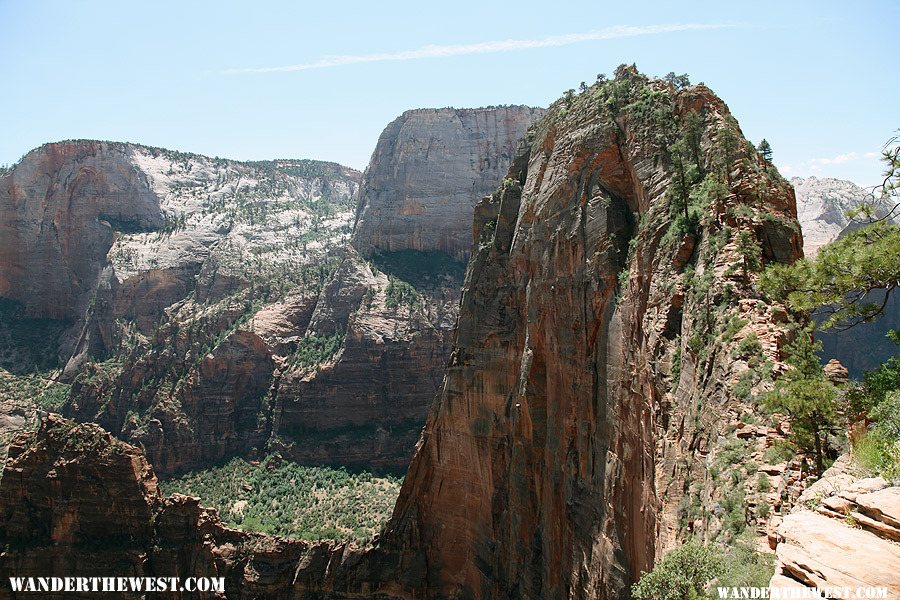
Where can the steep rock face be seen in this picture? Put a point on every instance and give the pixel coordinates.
(225, 407)
(367, 403)
(57, 209)
(75, 501)
(562, 442)
(428, 170)
(75, 516)
(822, 205)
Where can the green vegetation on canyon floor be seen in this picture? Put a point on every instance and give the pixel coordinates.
(284, 498)
(28, 364)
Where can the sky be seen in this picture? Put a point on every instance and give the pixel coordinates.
(289, 79)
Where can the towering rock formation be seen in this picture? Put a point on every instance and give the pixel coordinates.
(147, 251)
(217, 310)
(97, 232)
(428, 170)
(592, 366)
(607, 318)
(61, 207)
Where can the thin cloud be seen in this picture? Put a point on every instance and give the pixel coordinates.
(816, 164)
(610, 33)
(832, 164)
(835, 160)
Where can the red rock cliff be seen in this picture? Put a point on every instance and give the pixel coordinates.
(590, 375)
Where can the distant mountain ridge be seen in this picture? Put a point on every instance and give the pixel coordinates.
(822, 205)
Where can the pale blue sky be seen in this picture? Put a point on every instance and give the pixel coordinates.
(817, 79)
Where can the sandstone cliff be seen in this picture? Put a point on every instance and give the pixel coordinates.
(100, 233)
(822, 205)
(238, 321)
(842, 535)
(396, 311)
(145, 251)
(592, 365)
(428, 170)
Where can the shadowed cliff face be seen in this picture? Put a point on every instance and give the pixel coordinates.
(414, 220)
(160, 259)
(428, 170)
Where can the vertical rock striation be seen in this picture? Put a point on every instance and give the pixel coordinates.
(577, 411)
(429, 169)
(57, 210)
(413, 226)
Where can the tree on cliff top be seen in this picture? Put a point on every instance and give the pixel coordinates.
(677, 81)
(765, 150)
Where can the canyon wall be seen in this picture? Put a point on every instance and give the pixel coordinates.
(156, 258)
(220, 310)
(429, 168)
(592, 368)
(99, 232)
(56, 210)
(394, 299)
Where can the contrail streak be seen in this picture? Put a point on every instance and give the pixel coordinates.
(610, 33)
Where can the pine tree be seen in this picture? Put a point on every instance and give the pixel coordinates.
(765, 150)
(807, 398)
(750, 251)
(678, 81)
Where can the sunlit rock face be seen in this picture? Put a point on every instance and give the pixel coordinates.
(429, 169)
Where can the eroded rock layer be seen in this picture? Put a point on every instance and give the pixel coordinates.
(843, 535)
(220, 311)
